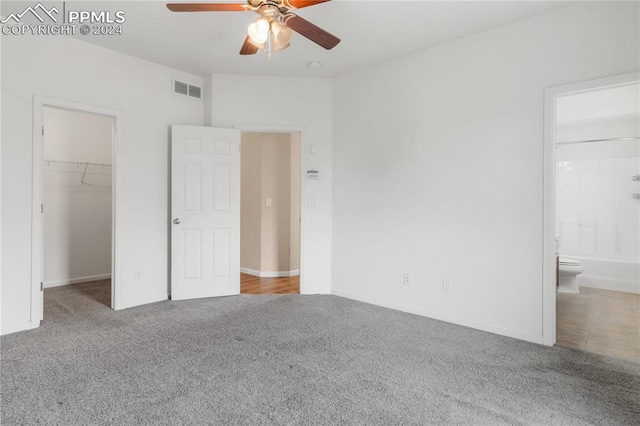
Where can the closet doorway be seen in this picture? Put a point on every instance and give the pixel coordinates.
(77, 208)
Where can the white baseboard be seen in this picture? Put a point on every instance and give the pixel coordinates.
(77, 280)
(607, 283)
(14, 328)
(270, 274)
(534, 338)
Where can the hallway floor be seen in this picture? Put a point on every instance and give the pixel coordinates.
(600, 321)
(250, 284)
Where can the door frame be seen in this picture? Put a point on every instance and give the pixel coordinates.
(290, 129)
(37, 223)
(551, 94)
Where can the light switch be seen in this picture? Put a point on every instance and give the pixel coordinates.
(314, 149)
(269, 202)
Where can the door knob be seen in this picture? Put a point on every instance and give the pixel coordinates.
(176, 220)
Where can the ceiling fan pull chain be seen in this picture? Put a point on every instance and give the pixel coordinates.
(269, 41)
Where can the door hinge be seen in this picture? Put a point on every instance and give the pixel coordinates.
(41, 208)
(41, 286)
(42, 130)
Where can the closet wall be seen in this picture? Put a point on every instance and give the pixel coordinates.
(77, 215)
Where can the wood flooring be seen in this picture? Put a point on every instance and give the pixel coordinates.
(250, 284)
(601, 321)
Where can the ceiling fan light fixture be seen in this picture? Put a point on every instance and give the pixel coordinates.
(277, 47)
(259, 31)
(281, 35)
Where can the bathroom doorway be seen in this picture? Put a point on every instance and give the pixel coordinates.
(596, 141)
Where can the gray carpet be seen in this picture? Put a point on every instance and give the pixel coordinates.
(293, 360)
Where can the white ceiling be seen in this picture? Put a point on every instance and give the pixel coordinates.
(371, 32)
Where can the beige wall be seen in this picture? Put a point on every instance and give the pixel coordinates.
(270, 234)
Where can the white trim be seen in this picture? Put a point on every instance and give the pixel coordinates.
(303, 189)
(270, 274)
(78, 280)
(549, 202)
(534, 338)
(37, 273)
(14, 328)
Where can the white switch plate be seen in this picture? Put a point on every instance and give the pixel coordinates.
(446, 286)
(314, 149)
(269, 202)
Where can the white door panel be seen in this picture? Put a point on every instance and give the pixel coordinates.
(205, 200)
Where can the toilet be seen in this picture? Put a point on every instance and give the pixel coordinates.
(568, 275)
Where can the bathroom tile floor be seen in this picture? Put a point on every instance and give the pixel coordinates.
(601, 321)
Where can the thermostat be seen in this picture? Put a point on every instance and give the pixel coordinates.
(313, 175)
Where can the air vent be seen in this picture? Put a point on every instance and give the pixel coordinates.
(186, 89)
(195, 92)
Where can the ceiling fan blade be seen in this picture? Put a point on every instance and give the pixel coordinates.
(248, 48)
(299, 4)
(310, 31)
(207, 7)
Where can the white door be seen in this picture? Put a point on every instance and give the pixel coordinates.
(205, 212)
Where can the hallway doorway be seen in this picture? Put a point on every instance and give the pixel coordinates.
(270, 213)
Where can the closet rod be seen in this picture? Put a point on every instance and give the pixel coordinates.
(78, 163)
(632, 138)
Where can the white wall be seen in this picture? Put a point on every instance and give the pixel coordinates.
(68, 69)
(438, 166)
(77, 215)
(278, 103)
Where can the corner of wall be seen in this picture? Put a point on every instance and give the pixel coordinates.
(207, 100)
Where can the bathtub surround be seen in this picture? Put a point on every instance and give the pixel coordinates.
(326, 360)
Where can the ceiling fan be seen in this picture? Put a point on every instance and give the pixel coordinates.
(273, 29)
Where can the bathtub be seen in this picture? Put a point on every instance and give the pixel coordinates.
(618, 275)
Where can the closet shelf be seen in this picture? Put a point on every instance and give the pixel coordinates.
(86, 165)
(77, 163)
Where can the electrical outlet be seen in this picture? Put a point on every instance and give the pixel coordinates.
(406, 279)
(446, 286)
(137, 274)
